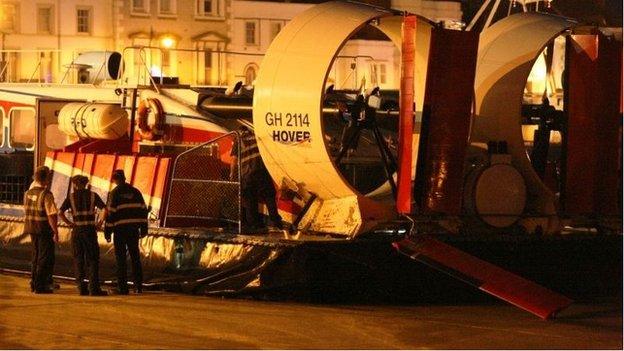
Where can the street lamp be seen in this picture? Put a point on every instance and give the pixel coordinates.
(167, 42)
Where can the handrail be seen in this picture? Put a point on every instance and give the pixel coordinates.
(142, 62)
(200, 146)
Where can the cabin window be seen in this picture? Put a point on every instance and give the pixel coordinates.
(22, 127)
(54, 138)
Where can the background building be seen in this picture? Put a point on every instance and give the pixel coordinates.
(202, 42)
(370, 55)
(184, 35)
(252, 27)
(35, 35)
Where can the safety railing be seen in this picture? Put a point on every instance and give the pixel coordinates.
(151, 66)
(12, 188)
(204, 190)
(145, 65)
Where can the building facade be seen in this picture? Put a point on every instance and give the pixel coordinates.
(184, 38)
(254, 24)
(40, 37)
(201, 42)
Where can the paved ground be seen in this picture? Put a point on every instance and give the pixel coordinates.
(162, 320)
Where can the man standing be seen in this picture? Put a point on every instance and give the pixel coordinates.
(256, 183)
(40, 222)
(85, 248)
(126, 217)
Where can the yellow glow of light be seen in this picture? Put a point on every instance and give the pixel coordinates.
(167, 42)
(539, 69)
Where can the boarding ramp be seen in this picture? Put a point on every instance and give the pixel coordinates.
(201, 193)
(483, 275)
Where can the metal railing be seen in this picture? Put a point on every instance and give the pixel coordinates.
(13, 187)
(144, 65)
(144, 60)
(201, 193)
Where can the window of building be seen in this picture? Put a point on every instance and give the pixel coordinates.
(276, 27)
(45, 20)
(251, 33)
(140, 6)
(8, 17)
(208, 66)
(208, 8)
(22, 124)
(45, 66)
(166, 61)
(9, 71)
(250, 74)
(382, 74)
(166, 7)
(83, 20)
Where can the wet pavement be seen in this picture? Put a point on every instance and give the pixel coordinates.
(157, 320)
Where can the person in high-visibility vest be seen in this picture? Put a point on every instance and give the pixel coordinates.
(41, 223)
(126, 217)
(82, 203)
(256, 183)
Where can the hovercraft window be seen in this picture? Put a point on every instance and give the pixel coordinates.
(22, 125)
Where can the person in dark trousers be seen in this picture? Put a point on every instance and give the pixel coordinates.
(82, 203)
(40, 222)
(256, 183)
(126, 218)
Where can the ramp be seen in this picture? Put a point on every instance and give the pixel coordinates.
(485, 276)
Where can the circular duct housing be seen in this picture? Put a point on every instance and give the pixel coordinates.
(496, 194)
(290, 88)
(96, 66)
(290, 93)
(507, 52)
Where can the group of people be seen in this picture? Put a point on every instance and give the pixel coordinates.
(124, 219)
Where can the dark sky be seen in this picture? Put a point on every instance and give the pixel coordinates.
(595, 12)
(599, 12)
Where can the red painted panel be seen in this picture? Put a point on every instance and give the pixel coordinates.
(144, 174)
(406, 118)
(151, 174)
(609, 122)
(104, 166)
(89, 164)
(446, 120)
(593, 132)
(79, 163)
(65, 158)
(161, 185)
(581, 162)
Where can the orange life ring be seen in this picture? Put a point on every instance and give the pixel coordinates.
(150, 109)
